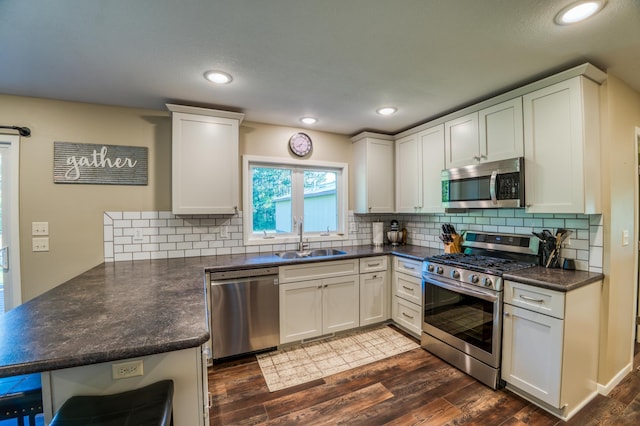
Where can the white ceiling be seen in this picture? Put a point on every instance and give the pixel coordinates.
(337, 60)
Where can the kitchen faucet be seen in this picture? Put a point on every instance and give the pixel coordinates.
(301, 246)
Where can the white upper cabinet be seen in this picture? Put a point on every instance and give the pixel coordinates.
(501, 135)
(408, 168)
(431, 146)
(562, 148)
(373, 173)
(205, 160)
(491, 134)
(419, 162)
(461, 141)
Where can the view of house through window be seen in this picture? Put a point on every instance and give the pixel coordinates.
(280, 195)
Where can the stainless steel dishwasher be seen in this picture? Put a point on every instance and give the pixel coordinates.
(245, 314)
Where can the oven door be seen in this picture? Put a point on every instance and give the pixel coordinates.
(463, 316)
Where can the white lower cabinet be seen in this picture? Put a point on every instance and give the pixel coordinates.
(406, 298)
(374, 291)
(313, 308)
(550, 345)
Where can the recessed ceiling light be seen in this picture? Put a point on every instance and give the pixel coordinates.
(309, 120)
(579, 11)
(386, 110)
(218, 77)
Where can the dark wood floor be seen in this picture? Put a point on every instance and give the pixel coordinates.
(407, 389)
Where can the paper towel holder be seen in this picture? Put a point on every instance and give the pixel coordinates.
(378, 234)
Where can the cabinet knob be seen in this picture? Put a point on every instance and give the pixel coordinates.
(507, 314)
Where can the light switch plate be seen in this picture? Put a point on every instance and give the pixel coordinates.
(39, 228)
(353, 227)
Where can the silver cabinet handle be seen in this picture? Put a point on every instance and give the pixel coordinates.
(531, 299)
(407, 315)
(407, 288)
(411, 268)
(371, 265)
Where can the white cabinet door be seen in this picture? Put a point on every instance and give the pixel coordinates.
(532, 348)
(408, 175)
(340, 304)
(374, 298)
(461, 141)
(562, 148)
(431, 153)
(501, 134)
(300, 310)
(205, 161)
(373, 170)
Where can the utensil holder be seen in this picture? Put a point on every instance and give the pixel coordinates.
(455, 246)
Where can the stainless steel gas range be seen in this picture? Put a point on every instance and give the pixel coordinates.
(462, 312)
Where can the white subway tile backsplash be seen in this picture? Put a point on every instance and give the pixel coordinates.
(131, 215)
(165, 235)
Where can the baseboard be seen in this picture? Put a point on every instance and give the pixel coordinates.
(605, 389)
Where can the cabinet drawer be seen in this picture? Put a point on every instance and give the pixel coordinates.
(408, 266)
(373, 264)
(408, 287)
(314, 271)
(407, 315)
(545, 301)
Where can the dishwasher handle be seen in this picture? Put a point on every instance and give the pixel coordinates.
(242, 273)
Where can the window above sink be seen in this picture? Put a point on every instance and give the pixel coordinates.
(278, 192)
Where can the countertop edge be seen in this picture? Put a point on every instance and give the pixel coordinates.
(98, 358)
(581, 279)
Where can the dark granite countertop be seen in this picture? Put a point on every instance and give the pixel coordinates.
(553, 279)
(129, 309)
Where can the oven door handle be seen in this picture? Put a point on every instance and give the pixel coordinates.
(457, 288)
(492, 187)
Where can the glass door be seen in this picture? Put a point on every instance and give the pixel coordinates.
(10, 292)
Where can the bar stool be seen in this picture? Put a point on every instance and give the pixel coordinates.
(150, 406)
(20, 397)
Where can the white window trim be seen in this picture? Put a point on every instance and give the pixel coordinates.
(251, 239)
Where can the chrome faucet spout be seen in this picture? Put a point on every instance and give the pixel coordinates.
(301, 245)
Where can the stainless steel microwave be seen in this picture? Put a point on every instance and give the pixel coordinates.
(494, 184)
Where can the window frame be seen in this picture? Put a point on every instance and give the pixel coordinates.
(342, 187)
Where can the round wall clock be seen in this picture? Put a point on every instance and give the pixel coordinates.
(300, 144)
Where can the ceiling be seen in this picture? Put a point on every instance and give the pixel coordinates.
(335, 60)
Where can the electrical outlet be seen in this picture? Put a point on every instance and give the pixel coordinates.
(625, 237)
(224, 231)
(40, 244)
(127, 369)
(353, 227)
(137, 235)
(39, 228)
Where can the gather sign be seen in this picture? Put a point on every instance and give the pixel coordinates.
(99, 164)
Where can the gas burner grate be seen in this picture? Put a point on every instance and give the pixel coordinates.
(479, 262)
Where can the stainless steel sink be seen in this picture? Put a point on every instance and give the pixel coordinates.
(309, 253)
(326, 252)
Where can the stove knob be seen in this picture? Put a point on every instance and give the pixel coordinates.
(487, 282)
(440, 270)
(455, 274)
(430, 268)
(474, 279)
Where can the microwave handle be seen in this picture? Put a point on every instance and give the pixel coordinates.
(492, 187)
